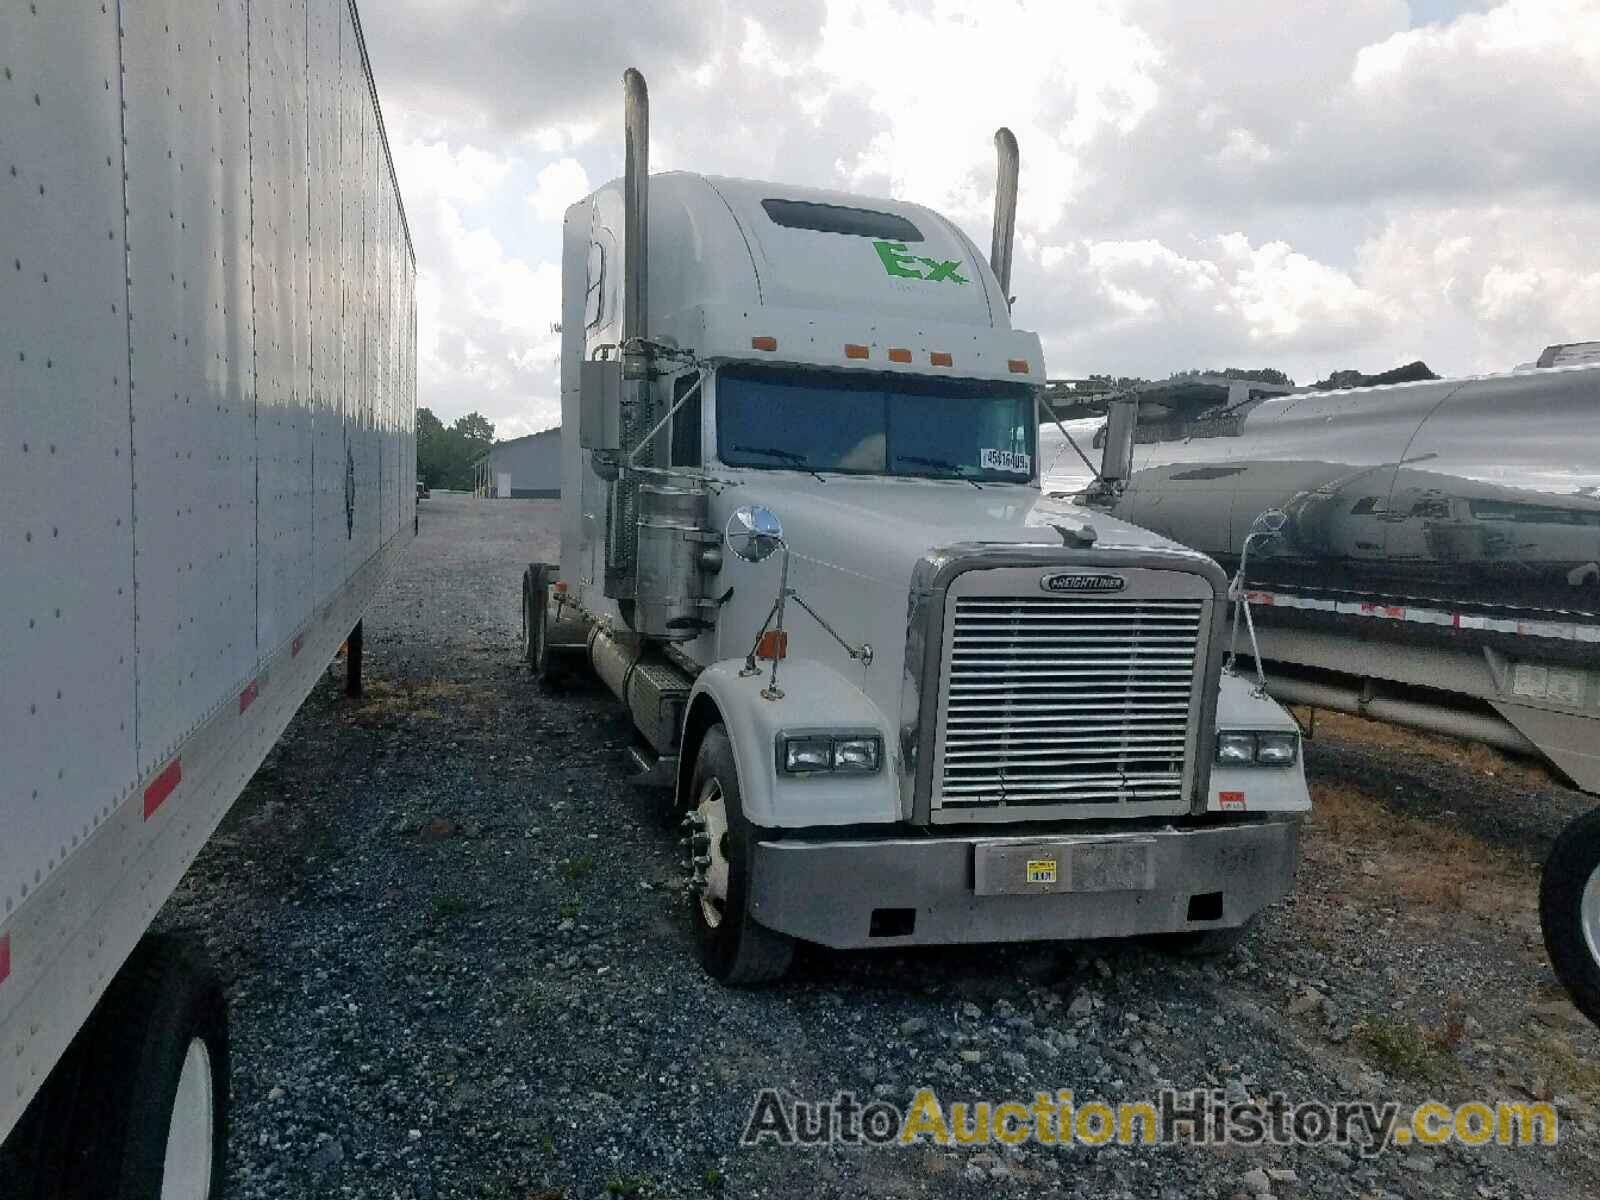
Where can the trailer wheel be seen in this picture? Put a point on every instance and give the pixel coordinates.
(156, 1090)
(734, 948)
(1569, 911)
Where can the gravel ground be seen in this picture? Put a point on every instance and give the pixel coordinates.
(459, 960)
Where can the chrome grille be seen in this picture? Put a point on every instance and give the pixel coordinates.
(1068, 700)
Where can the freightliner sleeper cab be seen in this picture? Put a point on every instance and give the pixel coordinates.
(897, 695)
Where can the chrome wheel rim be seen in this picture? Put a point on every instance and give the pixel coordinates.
(712, 809)
(186, 1170)
(1589, 914)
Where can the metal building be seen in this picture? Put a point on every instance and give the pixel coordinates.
(524, 468)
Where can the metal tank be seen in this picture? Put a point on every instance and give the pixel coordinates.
(674, 549)
(1440, 564)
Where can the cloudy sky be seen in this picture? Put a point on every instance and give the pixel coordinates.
(1314, 185)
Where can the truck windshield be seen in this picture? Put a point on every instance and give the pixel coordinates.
(872, 424)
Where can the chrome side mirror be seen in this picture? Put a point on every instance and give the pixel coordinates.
(753, 532)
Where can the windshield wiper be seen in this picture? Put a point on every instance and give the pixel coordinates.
(789, 456)
(939, 464)
(773, 452)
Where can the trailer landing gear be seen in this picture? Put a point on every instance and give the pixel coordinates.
(352, 663)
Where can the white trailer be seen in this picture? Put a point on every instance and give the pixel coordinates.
(207, 465)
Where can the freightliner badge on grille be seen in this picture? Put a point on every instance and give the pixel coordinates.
(1074, 582)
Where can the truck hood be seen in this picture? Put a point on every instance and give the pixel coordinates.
(878, 527)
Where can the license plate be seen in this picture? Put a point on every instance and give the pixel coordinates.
(1047, 868)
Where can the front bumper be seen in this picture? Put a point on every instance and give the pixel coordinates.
(925, 891)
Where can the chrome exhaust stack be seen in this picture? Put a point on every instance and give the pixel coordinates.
(1008, 163)
(636, 205)
(635, 418)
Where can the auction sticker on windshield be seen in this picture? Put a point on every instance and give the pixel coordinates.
(1006, 460)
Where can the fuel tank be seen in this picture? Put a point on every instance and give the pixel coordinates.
(1461, 516)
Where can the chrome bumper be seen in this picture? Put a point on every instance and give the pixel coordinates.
(926, 891)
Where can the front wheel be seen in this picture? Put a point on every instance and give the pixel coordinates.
(734, 948)
(1569, 911)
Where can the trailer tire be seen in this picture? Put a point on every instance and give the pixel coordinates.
(155, 1093)
(1569, 911)
(734, 948)
(1201, 943)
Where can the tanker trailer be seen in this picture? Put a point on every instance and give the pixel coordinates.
(1437, 564)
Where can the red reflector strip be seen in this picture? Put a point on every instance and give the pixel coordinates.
(851, 350)
(5, 957)
(901, 356)
(294, 646)
(941, 358)
(161, 787)
(248, 696)
(763, 343)
(773, 644)
(1017, 366)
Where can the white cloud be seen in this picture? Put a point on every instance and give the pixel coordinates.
(1499, 283)
(483, 314)
(1230, 183)
(466, 175)
(1144, 307)
(560, 184)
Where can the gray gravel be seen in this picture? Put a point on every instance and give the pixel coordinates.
(459, 960)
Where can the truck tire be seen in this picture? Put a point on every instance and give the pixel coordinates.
(734, 948)
(155, 1086)
(548, 668)
(1569, 911)
(1201, 943)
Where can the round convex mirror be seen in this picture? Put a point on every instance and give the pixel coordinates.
(753, 532)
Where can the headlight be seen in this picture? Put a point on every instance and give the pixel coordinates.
(1236, 749)
(1266, 748)
(807, 754)
(851, 753)
(855, 754)
(1277, 749)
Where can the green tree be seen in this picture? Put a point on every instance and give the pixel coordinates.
(445, 454)
(475, 427)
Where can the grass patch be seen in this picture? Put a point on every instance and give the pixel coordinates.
(1427, 862)
(1406, 1050)
(1471, 756)
(384, 701)
(569, 910)
(628, 1187)
(446, 907)
(574, 870)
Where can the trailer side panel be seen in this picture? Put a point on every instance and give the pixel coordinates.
(206, 346)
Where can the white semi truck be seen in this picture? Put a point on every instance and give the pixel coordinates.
(206, 469)
(899, 696)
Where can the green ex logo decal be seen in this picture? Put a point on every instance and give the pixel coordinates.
(897, 262)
